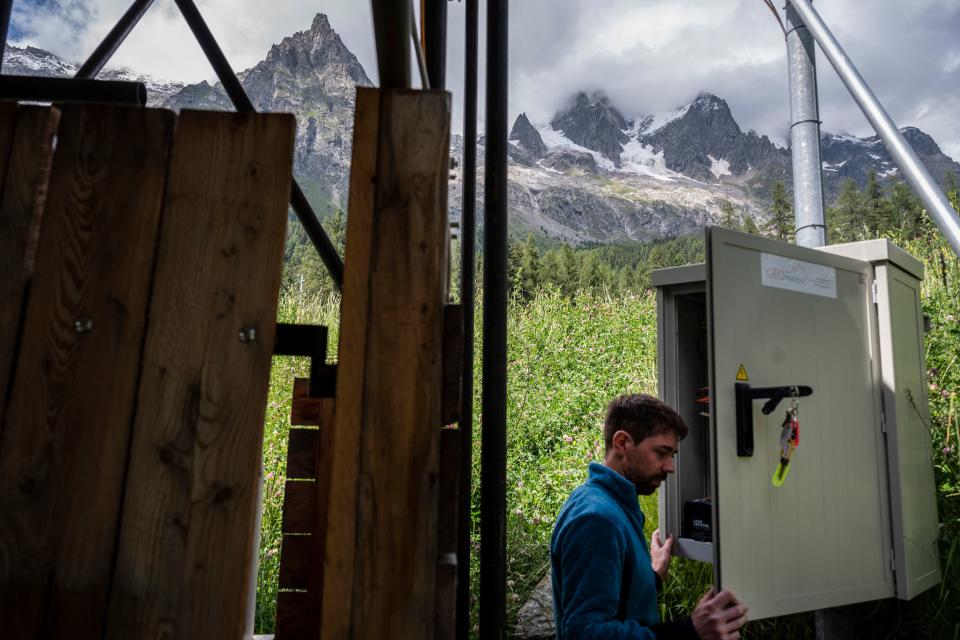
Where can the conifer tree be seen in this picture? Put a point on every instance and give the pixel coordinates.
(781, 221)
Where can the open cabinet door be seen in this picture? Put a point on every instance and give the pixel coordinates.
(782, 315)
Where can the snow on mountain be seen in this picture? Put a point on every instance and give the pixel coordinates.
(31, 61)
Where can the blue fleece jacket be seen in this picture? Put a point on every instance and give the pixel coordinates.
(604, 586)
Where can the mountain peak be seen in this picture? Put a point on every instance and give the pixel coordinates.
(321, 23)
(592, 122)
(527, 136)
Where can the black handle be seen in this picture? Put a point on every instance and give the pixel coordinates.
(745, 395)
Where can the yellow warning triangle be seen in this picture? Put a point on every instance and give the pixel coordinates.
(742, 374)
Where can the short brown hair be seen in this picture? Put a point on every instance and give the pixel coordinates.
(641, 416)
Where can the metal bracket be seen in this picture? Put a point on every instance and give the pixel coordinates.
(745, 395)
(310, 341)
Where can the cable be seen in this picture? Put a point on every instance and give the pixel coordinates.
(776, 15)
(424, 79)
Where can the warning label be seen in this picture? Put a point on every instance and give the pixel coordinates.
(742, 374)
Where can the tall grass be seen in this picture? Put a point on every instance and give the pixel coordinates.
(566, 358)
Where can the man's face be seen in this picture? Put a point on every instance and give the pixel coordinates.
(647, 463)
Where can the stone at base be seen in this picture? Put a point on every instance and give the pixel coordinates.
(535, 619)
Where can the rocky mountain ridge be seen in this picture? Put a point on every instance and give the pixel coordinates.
(589, 175)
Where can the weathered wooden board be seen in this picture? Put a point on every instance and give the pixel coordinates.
(67, 427)
(186, 539)
(446, 599)
(305, 510)
(296, 561)
(295, 619)
(302, 454)
(382, 527)
(299, 506)
(340, 540)
(452, 363)
(26, 151)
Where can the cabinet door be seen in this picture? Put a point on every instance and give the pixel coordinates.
(913, 497)
(779, 315)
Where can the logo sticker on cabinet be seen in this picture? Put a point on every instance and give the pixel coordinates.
(797, 275)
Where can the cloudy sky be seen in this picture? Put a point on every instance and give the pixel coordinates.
(647, 55)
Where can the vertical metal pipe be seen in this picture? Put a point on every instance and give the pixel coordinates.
(391, 27)
(6, 6)
(493, 470)
(804, 133)
(910, 165)
(114, 39)
(435, 41)
(468, 300)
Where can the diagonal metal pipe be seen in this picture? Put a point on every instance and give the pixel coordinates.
(6, 7)
(903, 154)
(237, 94)
(108, 46)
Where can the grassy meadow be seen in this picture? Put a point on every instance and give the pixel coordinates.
(568, 353)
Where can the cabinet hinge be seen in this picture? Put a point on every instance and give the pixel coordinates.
(893, 561)
(876, 292)
(883, 421)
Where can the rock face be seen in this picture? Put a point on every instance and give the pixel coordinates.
(706, 133)
(535, 619)
(588, 176)
(591, 121)
(527, 137)
(31, 61)
(313, 75)
(849, 157)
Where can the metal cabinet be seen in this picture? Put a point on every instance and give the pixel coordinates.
(855, 519)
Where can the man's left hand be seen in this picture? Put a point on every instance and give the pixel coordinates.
(660, 554)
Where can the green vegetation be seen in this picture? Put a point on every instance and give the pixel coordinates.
(581, 329)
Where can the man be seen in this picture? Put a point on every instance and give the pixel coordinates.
(604, 577)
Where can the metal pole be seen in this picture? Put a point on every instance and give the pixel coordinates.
(237, 94)
(493, 470)
(42, 89)
(391, 27)
(916, 174)
(218, 61)
(805, 134)
(6, 6)
(434, 22)
(468, 301)
(114, 39)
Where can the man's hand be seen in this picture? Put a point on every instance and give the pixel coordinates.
(719, 616)
(660, 554)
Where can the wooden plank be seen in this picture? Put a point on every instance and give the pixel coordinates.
(304, 410)
(186, 542)
(446, 595)
(26, 152)
(452, 363)
(67, 427)
(302, 454)
(299, 507)
(296, 561)
(340, 540)
(8, 124)
(295, 619)
(382, 521)
(324, 465)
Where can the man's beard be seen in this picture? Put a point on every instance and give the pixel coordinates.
(644, 484)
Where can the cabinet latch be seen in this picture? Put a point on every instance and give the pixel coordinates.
(745, 395)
